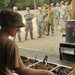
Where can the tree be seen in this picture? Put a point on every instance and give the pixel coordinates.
(34, 4)
(22, 4)
(4, 4)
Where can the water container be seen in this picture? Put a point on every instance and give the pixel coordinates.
(70, 31)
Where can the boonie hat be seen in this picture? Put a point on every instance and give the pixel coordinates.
(51, 4)
(39, 8)
(45, 5)
(62, 2)
(11, 18)
(67, 2)
(27, 8)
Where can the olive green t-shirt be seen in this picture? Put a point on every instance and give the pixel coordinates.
(9, 56)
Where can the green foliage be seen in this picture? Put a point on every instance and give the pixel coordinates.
(22, 4)
(4, 3)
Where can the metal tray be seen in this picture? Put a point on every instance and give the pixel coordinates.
(54, 67)
(62, 70)
(40, 65)
(28, 61)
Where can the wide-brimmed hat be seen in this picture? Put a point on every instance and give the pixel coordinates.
(62, 2)
(27, 8)
(51, 4)
(39, 8)
(11, 18)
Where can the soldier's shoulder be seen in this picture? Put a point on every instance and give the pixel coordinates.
(69, 5)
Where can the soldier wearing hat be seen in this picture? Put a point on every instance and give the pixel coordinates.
(72, 10)
(52, 4)
(15, 8)
(19, 32)
(62, 2)
(18, 36)
(45, 10)
(50, 21)
(40, 22)
(63, 16)
(10, 59)
(28, 24)
(56, 15)
(67, 8)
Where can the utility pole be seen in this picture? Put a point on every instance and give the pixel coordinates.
(34, 4)
(50, 1)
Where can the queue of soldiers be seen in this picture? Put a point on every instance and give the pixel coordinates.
(49, 17)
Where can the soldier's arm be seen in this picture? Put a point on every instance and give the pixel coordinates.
(29, 71)
(52, 16)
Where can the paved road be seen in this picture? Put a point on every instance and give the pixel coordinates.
(48, 44)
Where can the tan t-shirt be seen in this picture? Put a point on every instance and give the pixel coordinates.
(9, 56)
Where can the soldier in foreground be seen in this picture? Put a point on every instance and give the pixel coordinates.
(10, 60)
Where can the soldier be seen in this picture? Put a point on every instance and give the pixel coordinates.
(67, 8)
(10, 59)
(72, 10)
(66, 5)
(40, 22)
(45, 10)
(63, 16)
(28, 25)
(52, 6)
(15, 8)
(19, 32)
(56, 15)
(18, 35)
(50, 21)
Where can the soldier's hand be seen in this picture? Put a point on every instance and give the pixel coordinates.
(48, 73)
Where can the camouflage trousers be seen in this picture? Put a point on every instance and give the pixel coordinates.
(18, 36)
(45, 27)
(40, 29)
(50, 27)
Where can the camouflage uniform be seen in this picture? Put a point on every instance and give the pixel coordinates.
(67, 8)
(50, 21)
(19, 32)
(63, 16)
(56, 15)
(45, 10)
(40, 22)
(18, 35)
(28, 24)
(72, 10)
